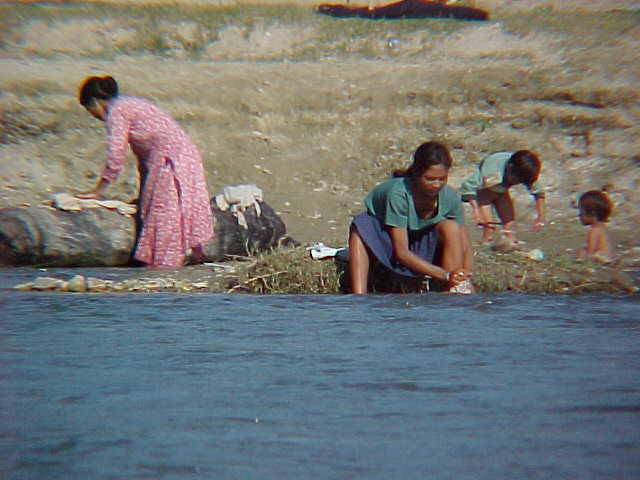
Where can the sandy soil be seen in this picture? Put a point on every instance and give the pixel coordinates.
(316, 134)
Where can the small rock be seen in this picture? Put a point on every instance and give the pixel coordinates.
(503, 244)
(154, 284)
(535, 254)
(624, 281)
(77, 284)
(97, 284)
(48, 283)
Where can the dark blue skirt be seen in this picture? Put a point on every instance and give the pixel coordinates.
(423, 243)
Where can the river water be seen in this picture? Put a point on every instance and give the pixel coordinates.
(186, 386)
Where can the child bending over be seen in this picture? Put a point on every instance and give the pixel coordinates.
(489, 187)
(595, 209)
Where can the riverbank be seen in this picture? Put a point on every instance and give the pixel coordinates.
(292, 271)
(316, 111)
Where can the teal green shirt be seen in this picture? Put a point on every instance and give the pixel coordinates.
(391, 202)
(491, 174)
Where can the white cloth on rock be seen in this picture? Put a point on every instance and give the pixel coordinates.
(237, 198)
(70, 203)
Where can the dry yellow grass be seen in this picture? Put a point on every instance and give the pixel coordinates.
(317, 110)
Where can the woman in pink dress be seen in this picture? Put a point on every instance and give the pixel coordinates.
(174, 204)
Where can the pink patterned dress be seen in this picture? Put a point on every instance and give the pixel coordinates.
(174, 201)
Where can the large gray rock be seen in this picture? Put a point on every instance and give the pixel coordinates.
(45, 236)
(263, 231)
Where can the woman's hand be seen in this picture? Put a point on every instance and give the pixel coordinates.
(96, 192)
(458, 276)
(460, 282)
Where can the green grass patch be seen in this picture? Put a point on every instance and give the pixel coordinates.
(286, 271)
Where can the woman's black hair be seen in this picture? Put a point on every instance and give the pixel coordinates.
(525, 166)
(596, 203)
(427, 155)
(97, 88)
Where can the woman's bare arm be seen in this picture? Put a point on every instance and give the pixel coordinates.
(96, 192)
(400, 242)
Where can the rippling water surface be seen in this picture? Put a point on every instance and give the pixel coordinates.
(170, 386)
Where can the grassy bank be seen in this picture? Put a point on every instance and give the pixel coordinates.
(292, 271)
(317, 110)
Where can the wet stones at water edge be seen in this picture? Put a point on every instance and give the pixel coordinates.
(80, 284)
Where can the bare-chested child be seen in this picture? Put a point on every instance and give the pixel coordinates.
(595, 209)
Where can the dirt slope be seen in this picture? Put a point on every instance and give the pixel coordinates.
(316, 119)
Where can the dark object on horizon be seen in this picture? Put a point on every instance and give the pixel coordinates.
(97, 237)
(406, 9)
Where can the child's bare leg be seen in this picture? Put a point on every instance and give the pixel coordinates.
(506, 212)
(486, 199)
(358, 263)
(486, 223)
